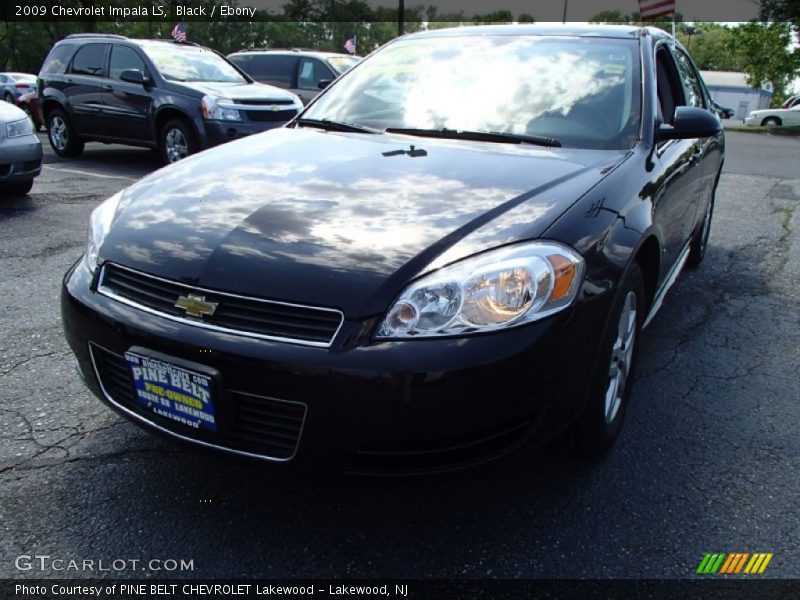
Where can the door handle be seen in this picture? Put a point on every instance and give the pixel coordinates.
(108, 88)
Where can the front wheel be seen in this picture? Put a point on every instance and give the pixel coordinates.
(177, 141)
(599, 425)
(771, 122)
(8, 98)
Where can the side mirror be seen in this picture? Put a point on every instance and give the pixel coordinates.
(689, 122)
(323, 83)
(134, 76)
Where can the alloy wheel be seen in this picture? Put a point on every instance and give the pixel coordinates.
(58, 133)
(621, 358)
(176, 145)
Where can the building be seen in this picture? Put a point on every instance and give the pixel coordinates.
(730, 89)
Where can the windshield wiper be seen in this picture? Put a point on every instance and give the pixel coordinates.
(479, 136)
(329, 125)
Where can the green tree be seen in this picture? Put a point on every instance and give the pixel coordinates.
(763, 49)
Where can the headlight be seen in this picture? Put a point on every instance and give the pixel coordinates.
(495, 290)
(19, 128)
(99, 224)
(214, 108)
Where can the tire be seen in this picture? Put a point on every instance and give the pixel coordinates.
(598, 426)
(20, 188)
(8, 98)
(63, 139)
(177, 141)
(771, 122)
(699, 243)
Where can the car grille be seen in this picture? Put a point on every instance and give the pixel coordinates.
(268, 116)
(235, 314)
(267, 427)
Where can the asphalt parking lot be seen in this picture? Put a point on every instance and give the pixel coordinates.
(709, 460)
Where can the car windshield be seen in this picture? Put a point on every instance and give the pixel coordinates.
(341, 64)
(177, 62)
(584, 92)
(23, 77)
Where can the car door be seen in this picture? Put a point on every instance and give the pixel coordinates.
(128, 106)
(710, 149)
(83, 88)
(309, 73)
(792, 116)
(680, 165)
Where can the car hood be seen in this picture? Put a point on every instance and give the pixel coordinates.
(9, 112)
(338, 219)
(236, 91)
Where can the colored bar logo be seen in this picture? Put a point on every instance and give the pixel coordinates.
(734, 563)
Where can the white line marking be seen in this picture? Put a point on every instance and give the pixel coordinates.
(89, 173)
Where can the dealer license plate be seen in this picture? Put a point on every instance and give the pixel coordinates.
(173, 392)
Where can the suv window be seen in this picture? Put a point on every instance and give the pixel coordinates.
(691, 86)
(57, 60)
(123, 59)
(90, 60)
(311, 73)
(277, 68)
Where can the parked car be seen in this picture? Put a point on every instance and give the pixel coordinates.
(177, 98)
(791, 101)
(774, 117)
(20, 151)
(723, 112)
(411, 283)
(13, 85)
(30, 104)
(304, 72)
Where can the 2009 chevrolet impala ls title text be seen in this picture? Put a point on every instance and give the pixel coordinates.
(451, 251)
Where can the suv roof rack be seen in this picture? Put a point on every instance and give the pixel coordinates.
(96, 35)
(282, 50)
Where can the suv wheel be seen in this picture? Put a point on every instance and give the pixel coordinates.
(177, 141)
(62, 136)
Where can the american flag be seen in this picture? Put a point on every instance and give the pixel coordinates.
(653, 9)
(179, 32)
(350, 45)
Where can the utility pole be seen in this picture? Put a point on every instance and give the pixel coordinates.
(401, 18)
(564, 18)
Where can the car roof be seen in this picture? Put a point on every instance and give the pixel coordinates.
(294, 51)
(569, 29)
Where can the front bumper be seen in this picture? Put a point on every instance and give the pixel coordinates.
(20, 158)
(389, 407)
(214, 133)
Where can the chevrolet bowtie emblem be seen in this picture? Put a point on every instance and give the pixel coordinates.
(196, 306)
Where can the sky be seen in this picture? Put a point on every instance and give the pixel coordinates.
(577, 10)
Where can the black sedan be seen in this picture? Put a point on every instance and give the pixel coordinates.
(452, 251)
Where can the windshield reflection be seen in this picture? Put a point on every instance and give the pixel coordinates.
(582, 91)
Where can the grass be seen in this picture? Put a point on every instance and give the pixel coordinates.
(791, 131)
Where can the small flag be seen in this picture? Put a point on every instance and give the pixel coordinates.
(350, 45)
(653, 9)
(179, 32)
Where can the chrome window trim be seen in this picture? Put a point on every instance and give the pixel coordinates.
(105, 291)
(136, 416)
